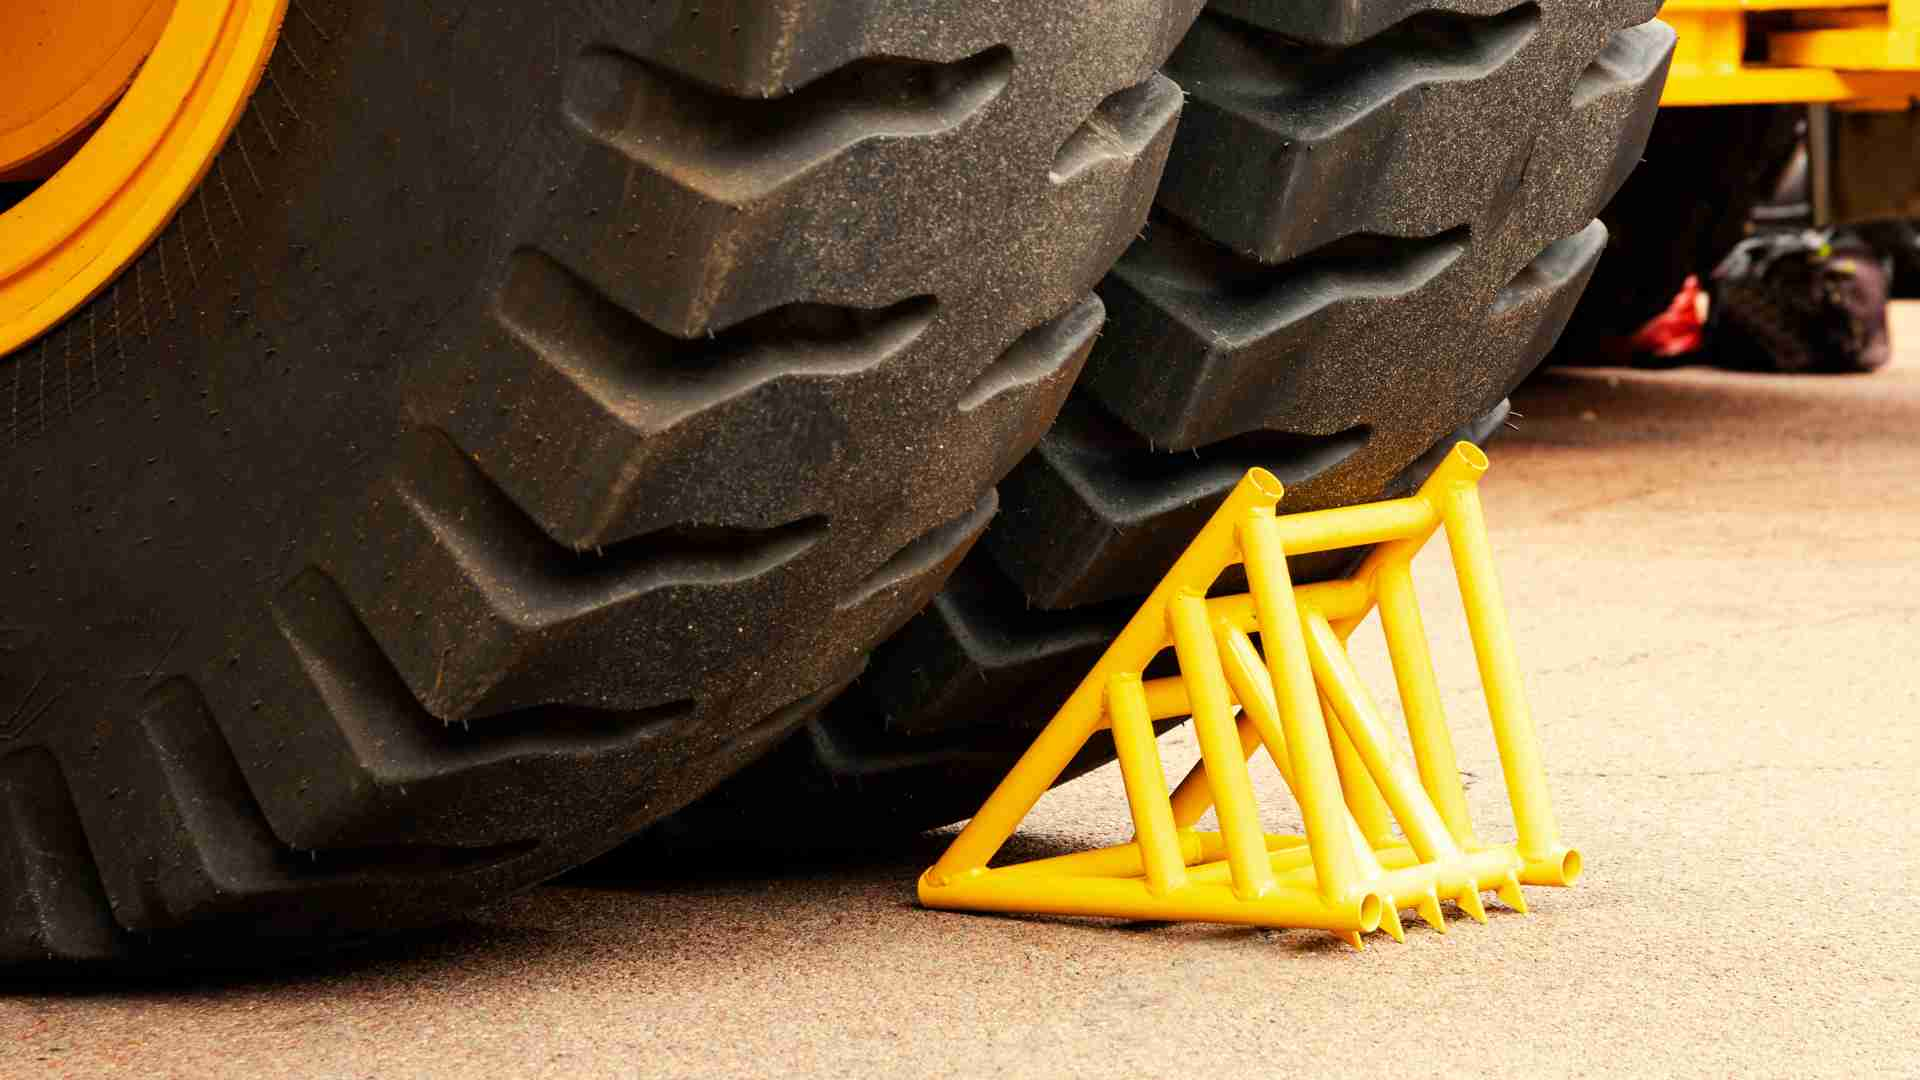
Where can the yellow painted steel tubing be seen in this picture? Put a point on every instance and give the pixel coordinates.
(1260, 715)
(1146, 784)
(1194, 797)
(1248, 678)
(1211, 551)
(1128, 898)
(1356, 526)
(1404, 874)
(1463, 464)
(1120, 860)
(1304, 729)
(1433, 754)
(1167, 697)
(1356, 714)
(1401, 878)
(1307, 705)
(1260, 724)
(1357, 787)
(1336, 599)
(1513, 729)
(1220, 745)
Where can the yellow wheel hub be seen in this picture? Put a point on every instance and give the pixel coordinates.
(197, 62)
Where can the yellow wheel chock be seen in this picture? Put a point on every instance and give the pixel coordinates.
(1350, 874)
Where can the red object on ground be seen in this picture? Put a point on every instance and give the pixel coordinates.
(1676, 331)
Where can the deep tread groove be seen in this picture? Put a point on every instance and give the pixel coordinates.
(1246, 299)
(1531, 311)
(735, 150)
(1630, 57)
(650, 379)
(216, 857)
(347, 757)
(517, 607)
(750, 223)
(651, 401)
(566, 584)
(1618, 91)
(1552, 271)
(981, 653)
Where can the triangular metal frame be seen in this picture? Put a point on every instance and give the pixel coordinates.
(1350, 873)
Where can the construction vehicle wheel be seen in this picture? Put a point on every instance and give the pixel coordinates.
(1374, 222)
(536, 412)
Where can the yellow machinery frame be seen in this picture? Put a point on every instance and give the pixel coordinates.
(1350, 873)
(1852, 52)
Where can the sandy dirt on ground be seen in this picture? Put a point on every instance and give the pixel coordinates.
(1714, 582)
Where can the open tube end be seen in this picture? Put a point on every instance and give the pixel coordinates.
(1561, 866)
(1470, 456)
(1570, 867)
(1266, 483)
(1370, 909)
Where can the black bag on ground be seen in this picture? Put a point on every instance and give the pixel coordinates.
(1810, 301)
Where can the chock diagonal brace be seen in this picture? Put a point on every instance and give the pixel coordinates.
(1304, 702)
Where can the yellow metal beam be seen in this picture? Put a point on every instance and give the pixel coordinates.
(1850, 53)
(1681, 7)
(1766, 85)
(1872, 49)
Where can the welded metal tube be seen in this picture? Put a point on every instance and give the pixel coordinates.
(1146, 784)
(1220, 745)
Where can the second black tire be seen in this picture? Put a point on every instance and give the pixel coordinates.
(1375, 221)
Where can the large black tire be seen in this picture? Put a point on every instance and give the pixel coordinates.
(539, 412)
(1375, 220)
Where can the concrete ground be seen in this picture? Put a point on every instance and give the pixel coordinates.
(1714, 581)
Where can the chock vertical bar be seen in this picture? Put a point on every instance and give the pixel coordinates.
(1146, 783)
(1433, 752)
(1513, 730)
(1336, 868)
(1220, 746)
(1194, 796)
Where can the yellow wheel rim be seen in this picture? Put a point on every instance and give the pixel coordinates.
(67, 240)
(70, 62)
